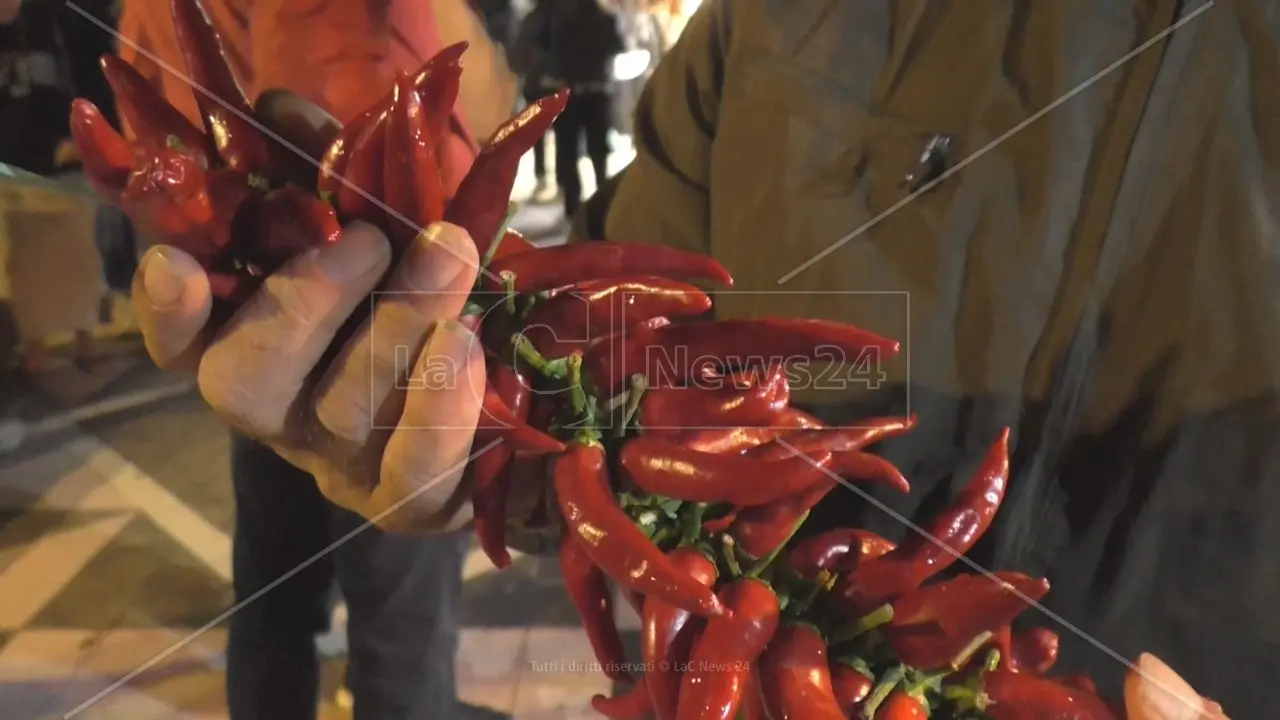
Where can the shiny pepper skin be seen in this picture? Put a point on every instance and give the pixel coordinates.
(720, 666)
(1019, 696)
(850, 686)
(667, 633)
(589, 591)
(794, 676)
(901, 706)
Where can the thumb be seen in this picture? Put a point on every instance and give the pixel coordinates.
(172, 300)
(1155, 692)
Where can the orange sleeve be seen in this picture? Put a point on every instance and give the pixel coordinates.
(332, 52)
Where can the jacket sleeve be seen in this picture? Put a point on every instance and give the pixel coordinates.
(332, 52)
(662, 196)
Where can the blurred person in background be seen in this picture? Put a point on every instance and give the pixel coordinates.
(402, 592)
(578, 39)
(529, 59)
(54, 269)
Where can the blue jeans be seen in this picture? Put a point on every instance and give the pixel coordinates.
(402, 596)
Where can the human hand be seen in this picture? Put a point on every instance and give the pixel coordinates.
(275, 372)
(1156, 692)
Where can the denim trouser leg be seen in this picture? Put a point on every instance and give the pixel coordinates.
(402, 597)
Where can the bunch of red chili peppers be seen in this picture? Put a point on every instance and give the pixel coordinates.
(679, 471)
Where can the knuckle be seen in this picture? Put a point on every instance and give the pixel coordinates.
(346, 411)
(230, 388)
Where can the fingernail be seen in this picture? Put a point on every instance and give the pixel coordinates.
(437, 258)
(162, 280)
(361, 250)
(1165, 694)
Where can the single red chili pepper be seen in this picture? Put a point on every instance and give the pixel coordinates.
(490, 481)
(1079, 682)
(168, 196)
(794, 675)
(156, 124)
(722, 523)
(613, 541)
(902, 706)
(1019, 696)
(439, 88)
(945, 538)
(566, 265)
(223, 104)
(634, 704)
(671, 355)
(602, 307)
(840, 439)
(933, 625)
(721, 661)
(589, 591)
(667, 632)
(498, 420)
(698, 407)
(480, 204)
(411, 172)
(850, 686)
(760, 530)
(752, 707)
(107, 157)
(664, 468)
(1033, 650)
(356, 196)
(851, 466)
(837, 551)
(289, 222)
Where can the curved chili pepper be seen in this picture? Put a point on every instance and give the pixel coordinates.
(598, 308)
(666, 635)
(752, 707)
(839, 439)
(664, 468)
(613, 541)
(289, 222)
(438, 88)
(675, 353)
(411, 180)
(1019, 696)
(634, 704)
(849, 466)
(223, 104)
(902, 706)
(156, 124)
(480, 204)
(697, 407)
(837, 551)
(945, 538)
(564, 265)
(933, 625)
(720, 664)
(794, 675)
(364, 175)
(498, 420)
(850, 686)
(758, 531)
(107, 157)
(589, 591)
(490, 481)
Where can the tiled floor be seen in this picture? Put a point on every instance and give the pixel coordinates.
(115, 514)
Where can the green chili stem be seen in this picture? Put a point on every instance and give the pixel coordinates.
(552, 369)
(509, 286)
(639, 385)
(763, 563)
(731, 556)
(993, 661)
(502, 233)
(872, 620)
(693, 523)
(882, 692)
(974, 646)
(820, 584)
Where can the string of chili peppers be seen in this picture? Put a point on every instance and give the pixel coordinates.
(682, 480)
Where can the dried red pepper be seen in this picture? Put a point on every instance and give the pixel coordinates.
(945, 538)
(565, 265)
(589, 591)
(720, 665)
(665, 468)
(223, 104)
(107, 157)
(667, 633)
(593, 309)
(490, 481)
(156, 124)
(613, 541)
(794, 675)
(1019, 696)
(634, 704)
(480, 204)
(672, 355)
(837, 551)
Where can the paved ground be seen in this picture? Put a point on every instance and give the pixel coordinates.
(115, 514)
